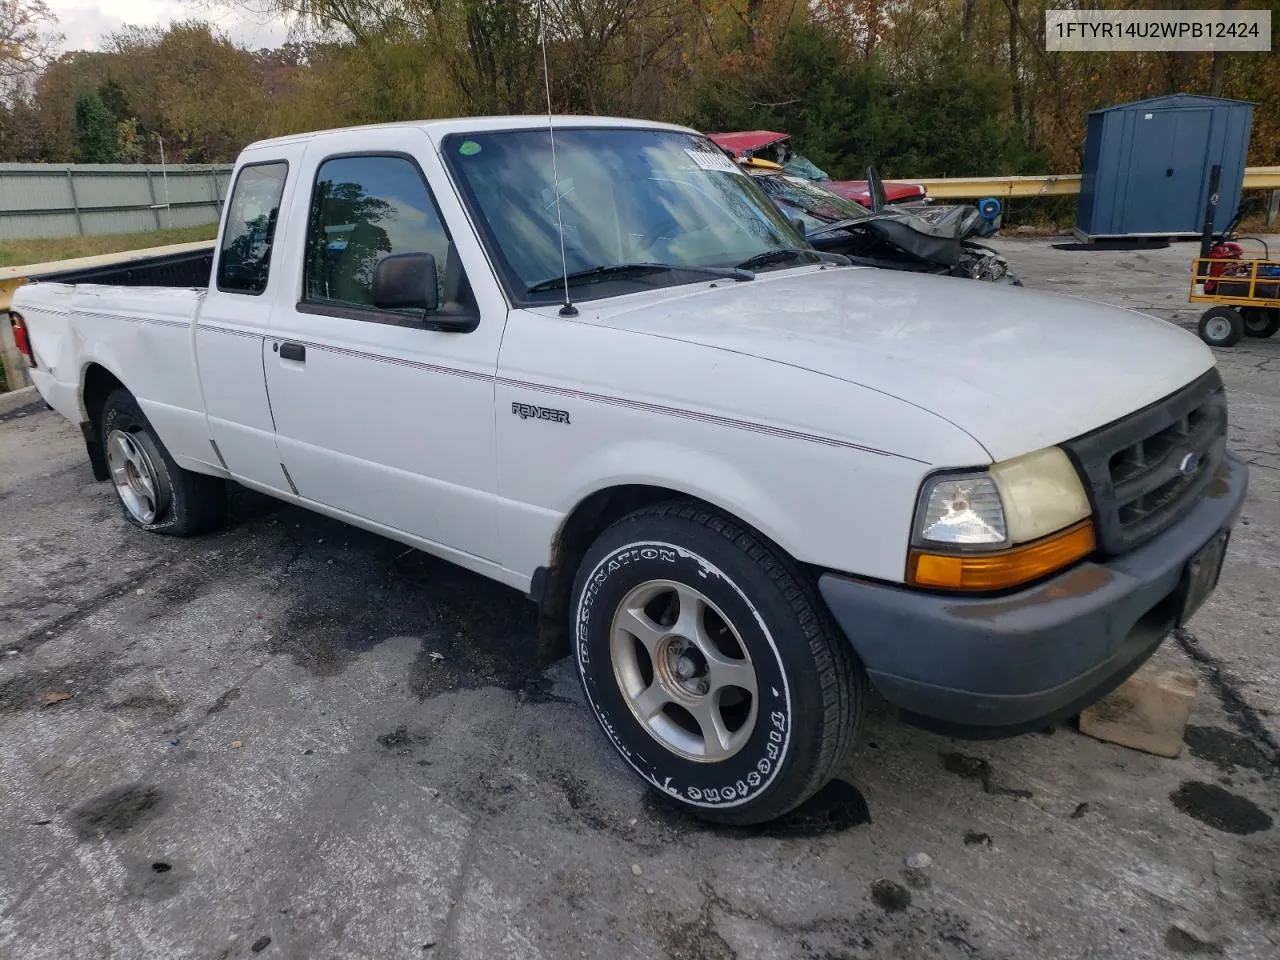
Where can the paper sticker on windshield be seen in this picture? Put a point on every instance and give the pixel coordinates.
(469, 148)
(714, 161)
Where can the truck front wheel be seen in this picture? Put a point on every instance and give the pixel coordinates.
(155, 493)
(711, 665)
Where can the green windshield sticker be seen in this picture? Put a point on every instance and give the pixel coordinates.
(469, 148)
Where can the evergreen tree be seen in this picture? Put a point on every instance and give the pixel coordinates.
(95, 130)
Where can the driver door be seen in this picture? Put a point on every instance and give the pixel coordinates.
(377, 416)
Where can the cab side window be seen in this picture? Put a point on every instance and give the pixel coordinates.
(364, 209)
(244, 259)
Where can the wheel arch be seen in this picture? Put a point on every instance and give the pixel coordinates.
(594, 512)
(96, 384)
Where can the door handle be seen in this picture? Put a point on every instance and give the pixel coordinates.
(293, 351)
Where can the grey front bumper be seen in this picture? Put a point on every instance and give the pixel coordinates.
(983, 667)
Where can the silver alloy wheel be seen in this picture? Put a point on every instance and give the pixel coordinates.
(1218, 328)
(134, 477)
(683, 670)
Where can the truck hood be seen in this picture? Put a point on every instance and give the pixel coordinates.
(1015, 369)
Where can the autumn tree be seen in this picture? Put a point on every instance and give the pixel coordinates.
(918, 87)
(20, 139)
(27, 43)
(486, 46)
(191, 85)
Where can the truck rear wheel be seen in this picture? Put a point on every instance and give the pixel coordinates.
(711, 665)
(155, 493)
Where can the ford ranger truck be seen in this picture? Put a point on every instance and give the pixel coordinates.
(744, 481)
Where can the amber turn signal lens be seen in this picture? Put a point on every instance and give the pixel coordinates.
(1006, 568)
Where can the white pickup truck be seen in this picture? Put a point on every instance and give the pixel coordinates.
(739, 477)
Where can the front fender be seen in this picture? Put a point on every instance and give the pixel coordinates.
(829, 506)
(694, 473)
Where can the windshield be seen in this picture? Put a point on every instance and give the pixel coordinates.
(802, 166)
(816, 206)
(627, 197)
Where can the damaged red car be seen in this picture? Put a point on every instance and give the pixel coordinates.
(776, 148)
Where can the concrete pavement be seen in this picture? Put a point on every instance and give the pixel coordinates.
(295, 739)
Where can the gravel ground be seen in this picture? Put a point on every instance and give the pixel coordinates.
(295, 739)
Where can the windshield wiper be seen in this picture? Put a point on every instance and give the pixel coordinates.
(773, 256)
(610, 271)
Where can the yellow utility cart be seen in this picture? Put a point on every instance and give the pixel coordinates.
(1245, 294)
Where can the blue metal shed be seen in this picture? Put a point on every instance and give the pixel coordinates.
(1146, 165)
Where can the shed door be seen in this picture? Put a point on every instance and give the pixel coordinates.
(1167, 171)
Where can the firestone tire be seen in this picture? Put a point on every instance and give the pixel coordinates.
(155, 493)
(693, 585)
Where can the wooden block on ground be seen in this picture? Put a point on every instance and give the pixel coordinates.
(1148, 712)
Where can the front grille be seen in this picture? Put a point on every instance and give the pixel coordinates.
(1134, 467)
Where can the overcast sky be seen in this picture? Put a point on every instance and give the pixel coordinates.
(85, 23)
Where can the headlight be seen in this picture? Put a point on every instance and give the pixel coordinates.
(1041, 493)
(1015, 522)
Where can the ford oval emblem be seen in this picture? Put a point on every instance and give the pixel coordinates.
(1190, 464)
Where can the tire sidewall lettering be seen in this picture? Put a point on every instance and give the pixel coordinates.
(753, 770)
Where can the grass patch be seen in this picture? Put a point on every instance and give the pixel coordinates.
(17, 253)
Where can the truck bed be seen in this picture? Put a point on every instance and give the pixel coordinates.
(147, 329)
(187, 268)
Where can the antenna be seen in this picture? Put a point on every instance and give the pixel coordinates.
(568, 310)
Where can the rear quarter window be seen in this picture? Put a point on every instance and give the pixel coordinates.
(244, 258)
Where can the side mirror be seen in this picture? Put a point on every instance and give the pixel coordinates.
(406, 281)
